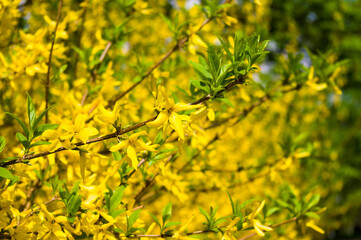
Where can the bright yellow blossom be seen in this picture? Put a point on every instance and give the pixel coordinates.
(258, 226)
(168, 113)
(312, 81)
(132, 145)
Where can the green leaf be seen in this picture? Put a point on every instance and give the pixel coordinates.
(205, 214)
(37, 121)
(167, 212)
(23, 140)
(263, 45)
(133, 217)
(155, 219)
(23, 126)
(75, 188)
(117, 212)
(80, 52)
(225, 47)
(4, 173)
(2, 143)
(226, 101)
(9, 159)
(169, 23)
(201, 70)
(43, 127)
(38, 143)
(71, 219)
(239, 224)
(170, 224)
(232, 203)
(223, 74)
(313, 201)
(31, 112)
(214, 60)
(272, 211)
(198, 85)
(116, 198)
(74, 204)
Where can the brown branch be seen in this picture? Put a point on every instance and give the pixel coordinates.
(109, 136)
(47, 83)
(94, 140)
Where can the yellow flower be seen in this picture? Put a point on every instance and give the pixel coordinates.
(132, 145)
(178, 234)
(58, 139)
(311, 224)
(312, 81)
(332, 80)
(73, 133)
(168, 113)
(108, 117)
(228, 233)
(78, 131)
(194, 40)
(51, 227)
(258, 226)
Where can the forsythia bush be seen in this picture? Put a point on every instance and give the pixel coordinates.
(158, 120)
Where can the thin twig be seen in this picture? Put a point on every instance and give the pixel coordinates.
(47, 83)
(244, 113)
(109, 136)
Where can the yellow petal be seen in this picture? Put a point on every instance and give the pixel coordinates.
(262, 227)
(160, 120)
(104, 115)
(103, 119)
(337, 90)
(320, 86)
(182, 107)
(56, 229)
(145, 146)
(198, 41)
(67, 127)
(311, 73)
(50, 134)
(131, 153)
(79, 122)
(312, 225)
(47, 214)
(119, 146)
(192, 49)
(176, 123)
(302, 154)
(67, 144)
(211, 115)
(82, 136)
(115, 167)
(136, 135)
(259, 231)
(259, 208)
(91, 131)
